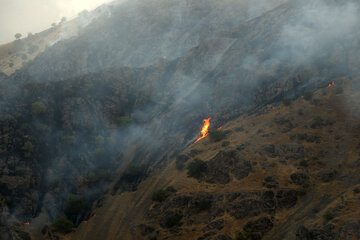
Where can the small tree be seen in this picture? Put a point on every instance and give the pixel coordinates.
(160, 195)
(38, 108)
(69, 140)
(196, 168)
(308, 95)
(18, 36)
(63, 19)
(216, 134)
(123, 121)
(63, 225)
(74, 205)
(53, 24)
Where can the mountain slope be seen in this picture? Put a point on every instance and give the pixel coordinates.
(302, 172)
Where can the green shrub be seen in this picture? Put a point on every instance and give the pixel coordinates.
(160, 195)
(28, 148)
(123, 121)
(216, 135)
(196, 168)
(173, 220)
(180, 165)
(105, 175)
(225, 143)
(38, 108)
(68, 92)
(74, 205)
(241, 237)
(132, 173)
(204, 204)
(63, 225)
(304, 163)
(69, 140)
(286, 101)
(308, 95)
(99, 140)
(328, 215)
(302, 191)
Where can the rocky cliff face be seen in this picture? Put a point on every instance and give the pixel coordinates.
(109, 139)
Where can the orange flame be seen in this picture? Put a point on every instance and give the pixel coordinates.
(205, 129)
(331, 84)
(27, 223)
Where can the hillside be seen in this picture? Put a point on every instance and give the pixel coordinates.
(283, 172)
(101, 119)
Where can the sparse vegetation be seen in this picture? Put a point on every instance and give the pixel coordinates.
(63, 225)
(160, 195)
(328, 215)
(216, 135)
(308, 95)
(286, 101)
(123, 121)
(18, 36)
(179, 165)
(28, 148)
(225, 143)
(69, 140)
(132, 173)
(196, 168)
(173, 220)
(74, 205)
(204, 204)
(38, 108)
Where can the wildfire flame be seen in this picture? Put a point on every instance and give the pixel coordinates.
(27, 223)
(205, 129)
(331, 84)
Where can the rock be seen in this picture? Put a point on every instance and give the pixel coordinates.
(286, 198)
(215, 225)
(299, 178)
(259, 227)
(244, 208)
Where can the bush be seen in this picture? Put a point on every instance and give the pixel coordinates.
(204, 204)
(28, 147)
(63, 225)
(68, 92)
(173, 220)
(132, 173)
(308, 95)
(286, 101)
(38, 108)
(241, 237)
(180, 165)
(225, 143)
(123, 121)
(304, 163)
(328, 215)
(196, 168)
(160, 195)
(216, 135)
(69, 140)
(74, 205)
